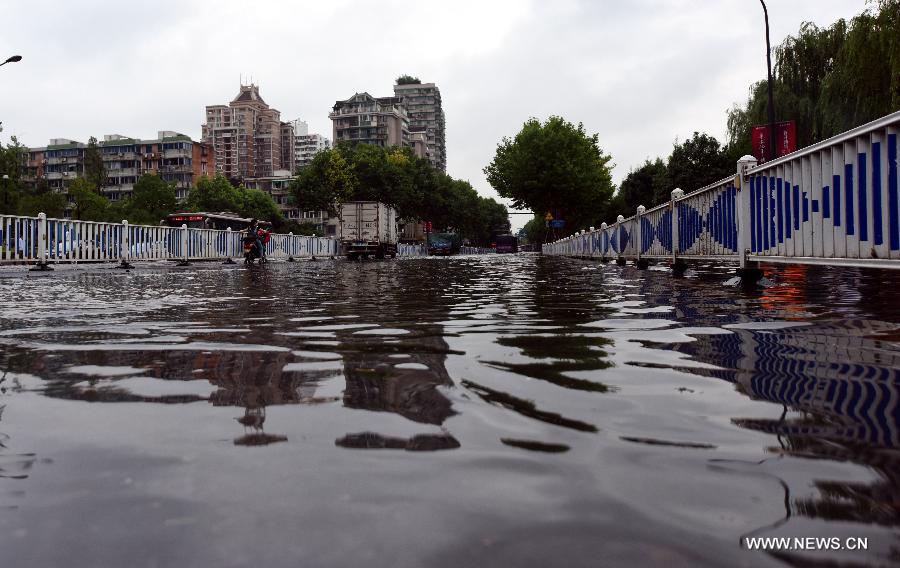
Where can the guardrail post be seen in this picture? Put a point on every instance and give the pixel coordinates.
(42, 262)
(620, 256)
(678, 265)
(603, 257)
(125, 247)
(229, 238)
(290, 247)
(748, 271)
(184, 246)
(641, 263)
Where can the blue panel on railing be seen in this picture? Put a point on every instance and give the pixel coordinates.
(647, 234)
(664, 230)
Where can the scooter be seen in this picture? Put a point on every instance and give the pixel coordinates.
(251, 251)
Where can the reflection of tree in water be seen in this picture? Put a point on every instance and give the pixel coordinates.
(556, 355)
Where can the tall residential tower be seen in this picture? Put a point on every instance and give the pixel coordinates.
(247, 137)
(423, 105)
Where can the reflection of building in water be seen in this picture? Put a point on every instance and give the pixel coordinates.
(252, 379)
(408, 386)
(375, 382)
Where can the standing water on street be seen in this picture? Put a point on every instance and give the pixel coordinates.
(496, 410)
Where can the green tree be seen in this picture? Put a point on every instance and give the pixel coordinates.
(554, 167)
(536, 230)
(88, 205)
(326, 182)
(259, 205)
(696, 162)
(12, 156)
(94, 170)
(152, 199)
(51, 203)
(214, 196)
(648, 185)
(408, 80)
(828, 80)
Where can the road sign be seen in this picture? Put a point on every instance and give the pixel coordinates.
(558, 224)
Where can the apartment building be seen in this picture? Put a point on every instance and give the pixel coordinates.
(57, 163)
(364, 119)
(278, 186)
(426, 114)
(247, 137)
(171, 155)
(306, 145)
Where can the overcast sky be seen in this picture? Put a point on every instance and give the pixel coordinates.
(639, 73)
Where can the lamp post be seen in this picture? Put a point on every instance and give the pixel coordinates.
(13, 59)
(772, 150)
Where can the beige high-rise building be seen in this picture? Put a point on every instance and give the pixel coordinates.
(247, 136)
(426, 114)
(364, 119)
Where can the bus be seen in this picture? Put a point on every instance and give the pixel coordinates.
(507, 243)
(220, 221)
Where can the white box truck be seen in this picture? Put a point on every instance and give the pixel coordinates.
(368, 228)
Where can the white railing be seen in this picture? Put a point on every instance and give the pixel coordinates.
(412, 250)
(42, 241)
(836, 202)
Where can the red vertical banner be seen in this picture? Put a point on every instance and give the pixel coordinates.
(785, 140)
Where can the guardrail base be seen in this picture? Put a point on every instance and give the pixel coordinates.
(750, 275)
(40, 267)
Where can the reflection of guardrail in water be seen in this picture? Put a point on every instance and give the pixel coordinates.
(42, 241)
(836, 202)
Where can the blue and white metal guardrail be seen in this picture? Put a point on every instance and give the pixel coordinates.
(42, 241)
(836, 202)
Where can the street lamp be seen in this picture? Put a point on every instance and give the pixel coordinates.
(772, 136)
(13, 59)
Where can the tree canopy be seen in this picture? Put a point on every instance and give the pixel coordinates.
(828, 80)
(554, 167)
(408, 80)
(94, 170)
(395, 176)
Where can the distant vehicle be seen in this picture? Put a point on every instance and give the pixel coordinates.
(368, 228)
(443, 243)
(220, 221)
(507, 243)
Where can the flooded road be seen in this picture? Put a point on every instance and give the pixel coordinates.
(465, 411)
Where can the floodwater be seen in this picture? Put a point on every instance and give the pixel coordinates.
(467, 411)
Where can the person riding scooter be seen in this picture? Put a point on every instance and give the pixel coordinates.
(253, 246)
